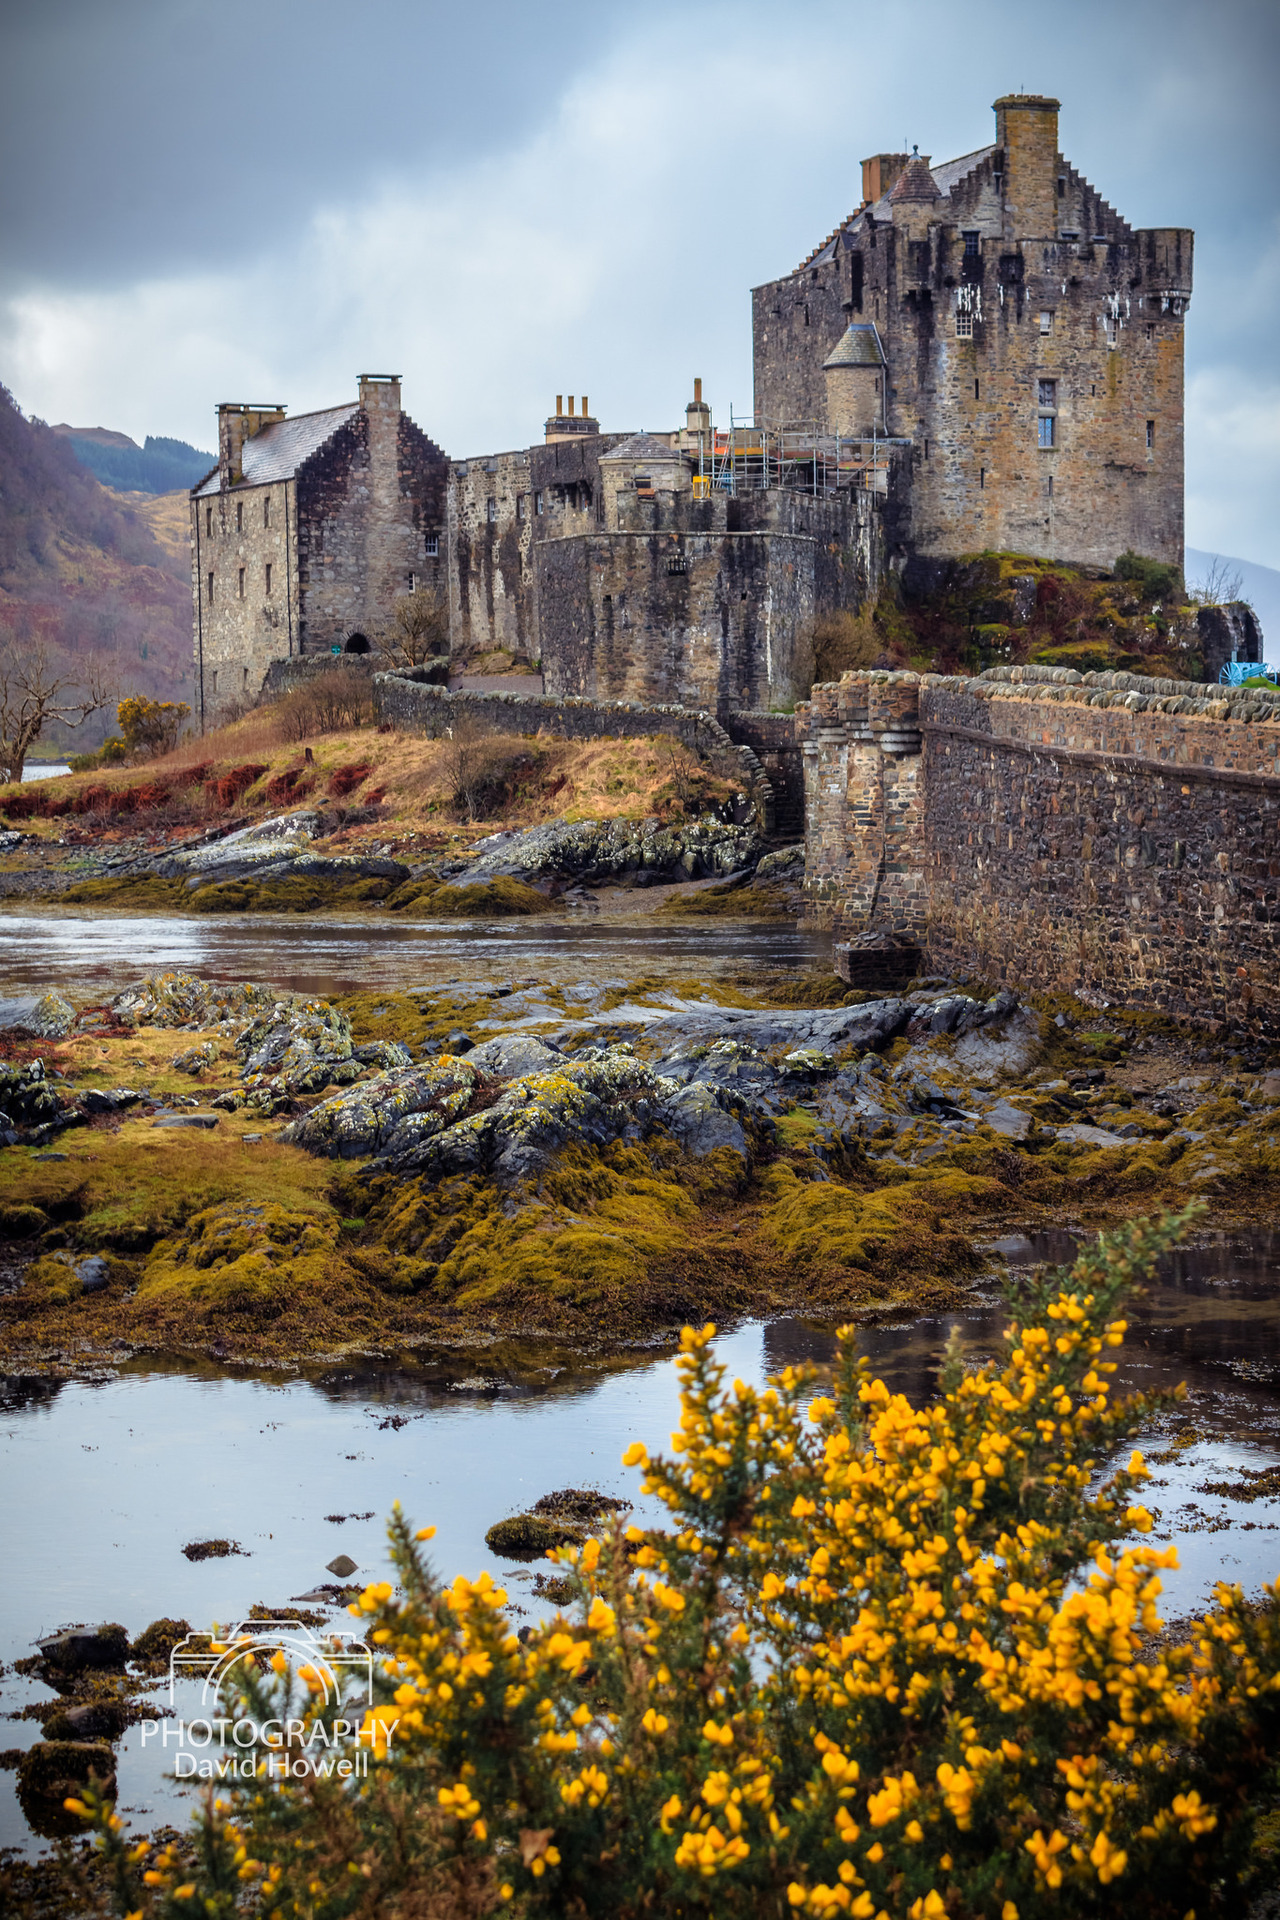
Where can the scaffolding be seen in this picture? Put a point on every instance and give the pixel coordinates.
(796, 458)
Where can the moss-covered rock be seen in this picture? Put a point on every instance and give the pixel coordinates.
(529, 1536)
(243, 1258)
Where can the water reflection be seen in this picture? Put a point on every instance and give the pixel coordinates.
(102, 952)
(104, 1481)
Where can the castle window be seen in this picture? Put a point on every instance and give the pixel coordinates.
(520, 509)
(266, 509)
(493, 509)
(982, 478)
(242, 583)
(1151, 435)
(268, 570)
(976, 391)
(964, 324)
(806, 313)
(972, 244)
(1047, 393)
(1046, 428)
(239, 516)
(214, 685)
(245, 672)
(855, 281)
(537, 501)
(1046, 322)
(431, 546)
(1062, 187)
(210, 589)
(208, 522)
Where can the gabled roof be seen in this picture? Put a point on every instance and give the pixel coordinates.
(947, 175)
(277, 452)
(859, 346)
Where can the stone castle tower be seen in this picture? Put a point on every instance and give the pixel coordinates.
(999, 316)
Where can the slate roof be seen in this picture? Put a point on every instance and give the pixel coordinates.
(643, 446)
(915, 182)
(858, 347)
(947, 175)
(277, 452)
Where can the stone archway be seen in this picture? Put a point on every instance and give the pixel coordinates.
(356, 644)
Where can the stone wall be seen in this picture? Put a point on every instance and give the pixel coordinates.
(371, 502)
(1102, 833)
(772, 738)
(702, 602)
(491, 521)
(244, 590)
(405, 701)
(1017, 294)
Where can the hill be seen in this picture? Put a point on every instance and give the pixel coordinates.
(83, 571)
(158, 466)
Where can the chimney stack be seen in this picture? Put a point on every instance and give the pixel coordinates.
(1027, 139)
(238, 421)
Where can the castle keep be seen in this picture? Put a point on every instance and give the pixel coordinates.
(983, 357)
(996, 314)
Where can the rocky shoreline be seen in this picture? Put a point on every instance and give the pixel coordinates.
(202, 1165)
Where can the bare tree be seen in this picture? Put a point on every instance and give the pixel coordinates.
(418, 629)
(1222, 584)
(33, 692)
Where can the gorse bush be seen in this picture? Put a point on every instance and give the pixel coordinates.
(885, 1660)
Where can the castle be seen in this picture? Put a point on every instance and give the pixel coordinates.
(984, 355)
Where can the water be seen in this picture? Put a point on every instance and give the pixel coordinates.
(44, 769)
(105, 1481)
(101, 953)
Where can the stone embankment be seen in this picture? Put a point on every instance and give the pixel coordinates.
(1101, 833)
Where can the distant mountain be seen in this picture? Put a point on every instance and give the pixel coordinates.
(159, 466)
(86, 573)
(1260, 586)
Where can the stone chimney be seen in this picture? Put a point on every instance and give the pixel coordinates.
(697, 423)
(570, 426)
(879, 174)
(380, 395)
(1027, 151)
(238, 421)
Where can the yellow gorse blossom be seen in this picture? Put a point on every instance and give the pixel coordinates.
(885, 1660)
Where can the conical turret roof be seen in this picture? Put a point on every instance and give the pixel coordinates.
(915, 182)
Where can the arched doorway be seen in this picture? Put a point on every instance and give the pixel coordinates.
(356, 644)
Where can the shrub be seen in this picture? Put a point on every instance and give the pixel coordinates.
(229, 787)
(345, 780)
(337, 697)
(151, 726)
(883, 1661)
(288, 786)
(1153, 579)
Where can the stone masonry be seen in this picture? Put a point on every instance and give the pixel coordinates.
(1015, 330)
(306, 532)
(1099, 833)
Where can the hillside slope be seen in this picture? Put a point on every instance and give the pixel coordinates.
(86, 572)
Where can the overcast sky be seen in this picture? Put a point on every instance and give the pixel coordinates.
(259, 199)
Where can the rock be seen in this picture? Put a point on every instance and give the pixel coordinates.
(84, 1647)
(599, 851)
(26, 1097)
(108, 1100)
(382, 1053)
(205, 1120)
(20, 1220)
(185, 1000)
(213, 1549)
(227, 1102)
(51, 1017)
(784, 863)
(1012, 1122)
(95, 1720)
(343, 1567)
(825, 1029)
(363, 1121)
(460, 1042)
(808, 1061)
(56, 1770)
(528, 1536)
(195, 1059)
(509, 1054)
(298, 1047)
(1005, 1048)
(700, 1123)
(1080, 1135)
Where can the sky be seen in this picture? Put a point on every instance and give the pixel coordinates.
(261, 199)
